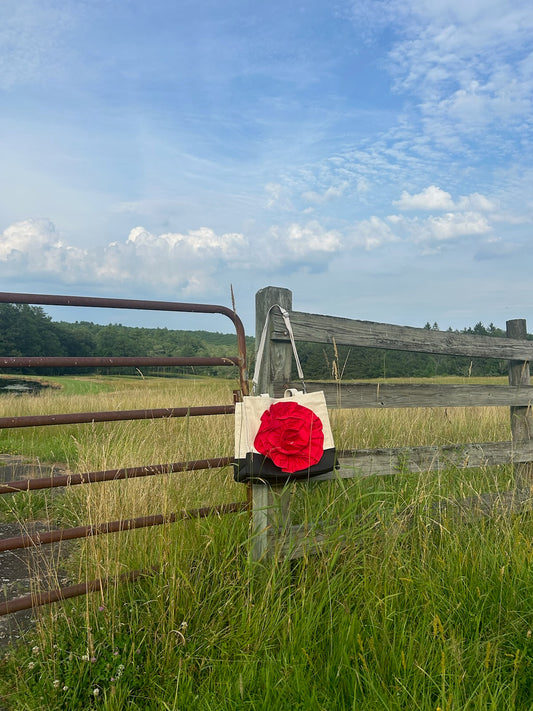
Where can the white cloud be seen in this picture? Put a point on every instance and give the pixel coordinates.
(432, 232)
(172, 260)
(35, 246)
(192, 262)
(432, 198)
(168, 260)
(373, 233)
(203, 240)
(303, 242)
(453, 225)
(475, 201)
(26, 236)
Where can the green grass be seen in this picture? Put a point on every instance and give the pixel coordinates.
(403, 610)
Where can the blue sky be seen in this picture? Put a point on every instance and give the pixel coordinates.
(374, 156)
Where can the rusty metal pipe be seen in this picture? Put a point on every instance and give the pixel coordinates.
(110, 362)
(71, 418)
(45, 598)
(68, 534)
(51, 482)
(135, 304)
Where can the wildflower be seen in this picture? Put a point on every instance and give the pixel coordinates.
(56, 683)
(35, 650)
(93, 659)
(65, 688)
(183, 626)
(31, 665)
(85, 658)
(96, 692)
(101, 608)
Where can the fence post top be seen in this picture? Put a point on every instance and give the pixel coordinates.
(274, 289)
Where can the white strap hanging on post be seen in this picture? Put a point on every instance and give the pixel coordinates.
(262, 343)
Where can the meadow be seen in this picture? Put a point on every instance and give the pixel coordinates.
(404, 609)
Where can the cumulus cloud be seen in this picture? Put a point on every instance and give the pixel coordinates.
(434, 198)
(302, 242)
(453, 225)
(195, 241)
(35, 246)
(191, 262)
(170, 260)
(431, 233)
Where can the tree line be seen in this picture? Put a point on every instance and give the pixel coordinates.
(28, 331)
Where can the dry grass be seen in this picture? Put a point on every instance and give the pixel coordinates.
(433, 616)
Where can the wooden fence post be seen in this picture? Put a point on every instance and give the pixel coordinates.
(270, 510)
(521, 417)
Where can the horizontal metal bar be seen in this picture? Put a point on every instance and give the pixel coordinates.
(136, 304)
(71, 418)
(45, 598)
(48, 482)
(111, 362)
(68, 534)
(110, 303)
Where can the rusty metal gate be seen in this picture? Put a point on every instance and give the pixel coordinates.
(27, 541)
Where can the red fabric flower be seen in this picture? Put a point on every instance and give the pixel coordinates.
(291, 436)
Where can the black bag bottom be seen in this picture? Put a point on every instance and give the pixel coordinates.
(257, 468)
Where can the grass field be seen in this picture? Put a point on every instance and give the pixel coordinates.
(437, 614)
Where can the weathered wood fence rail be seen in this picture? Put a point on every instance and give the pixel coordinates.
(271, 513)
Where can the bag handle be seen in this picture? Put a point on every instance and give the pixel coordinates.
(262, 342)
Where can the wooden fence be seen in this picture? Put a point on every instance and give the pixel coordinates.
(273, 531)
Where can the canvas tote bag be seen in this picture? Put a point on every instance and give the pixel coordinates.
(282, 439)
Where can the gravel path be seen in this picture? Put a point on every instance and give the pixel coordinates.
(26, 567)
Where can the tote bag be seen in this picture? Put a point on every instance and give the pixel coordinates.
(282, 439)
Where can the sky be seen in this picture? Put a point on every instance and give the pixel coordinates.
(373, 156)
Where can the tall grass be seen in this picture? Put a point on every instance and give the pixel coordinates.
(404, 610)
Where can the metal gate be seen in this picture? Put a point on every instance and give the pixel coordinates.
(26, 541)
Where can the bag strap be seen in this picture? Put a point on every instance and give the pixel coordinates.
(262, 342)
